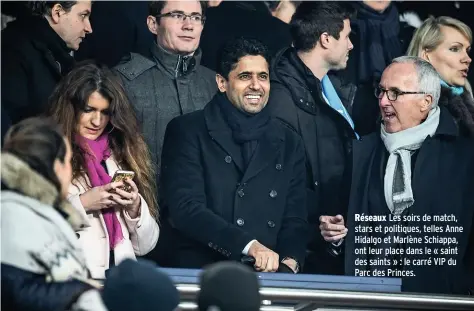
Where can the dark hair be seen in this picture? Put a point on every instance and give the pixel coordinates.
(38, 142)
(155, 7)
(235, 49)
(313, 18)
(44, 7)
(68, 102)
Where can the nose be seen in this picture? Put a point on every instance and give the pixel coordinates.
(96, 119)
(88, 26)
(467, 59)
(255, 84)
(351, 46)
(384, 102)
(187, 24)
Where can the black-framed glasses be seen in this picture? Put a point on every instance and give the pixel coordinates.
(392, 95)
(181, 17)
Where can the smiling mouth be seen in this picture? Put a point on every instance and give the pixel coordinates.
(186, 38)
(253, 98)
(464, 72)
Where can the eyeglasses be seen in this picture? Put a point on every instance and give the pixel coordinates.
(392, 95)
(181, 17)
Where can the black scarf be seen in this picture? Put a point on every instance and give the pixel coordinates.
(246, 128)
(378, 42)
(42, 32)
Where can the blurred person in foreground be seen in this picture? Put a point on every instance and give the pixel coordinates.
(228, 286)
(445, 42)
(233, 178)
(43, 265)
(92, 109)
(418, 164)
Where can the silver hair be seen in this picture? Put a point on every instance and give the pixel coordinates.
(429, 80)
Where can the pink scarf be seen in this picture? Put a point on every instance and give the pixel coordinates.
(95, 152)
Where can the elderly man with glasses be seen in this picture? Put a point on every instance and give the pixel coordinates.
(411, 207)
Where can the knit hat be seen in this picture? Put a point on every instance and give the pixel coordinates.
(229, 286)
(139, 285)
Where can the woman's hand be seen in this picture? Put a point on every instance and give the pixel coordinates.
(101, 197)
(129, 200)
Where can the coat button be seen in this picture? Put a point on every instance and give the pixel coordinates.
(271, 224)
(228, 159)
(240, 222)
(278, 166)
(273, 194)
(241, 193)
(316, 183)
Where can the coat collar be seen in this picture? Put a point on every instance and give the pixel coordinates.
(267, 149)
(175, 64)
(447, 126)
(20, 177)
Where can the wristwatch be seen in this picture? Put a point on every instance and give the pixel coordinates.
(297, 268)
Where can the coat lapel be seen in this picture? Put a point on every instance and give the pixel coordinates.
(221, 133)
(225, 140)
(267, 150)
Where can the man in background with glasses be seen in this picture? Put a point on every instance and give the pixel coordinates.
(416, 166)
(171, 82)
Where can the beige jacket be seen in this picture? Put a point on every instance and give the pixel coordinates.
(140, 234)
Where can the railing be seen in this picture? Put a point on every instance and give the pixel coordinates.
(304, 299)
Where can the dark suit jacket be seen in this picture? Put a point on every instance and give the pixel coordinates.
(215, 206)
(442, 183)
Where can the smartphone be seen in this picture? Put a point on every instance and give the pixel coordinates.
(122, 175)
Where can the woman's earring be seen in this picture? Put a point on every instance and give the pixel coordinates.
(113, 127)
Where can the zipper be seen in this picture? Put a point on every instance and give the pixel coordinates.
(176, 70)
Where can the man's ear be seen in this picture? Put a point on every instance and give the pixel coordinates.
(324, 40)
(152, 24)
(221, 83)
(426, 103)
(56, 12)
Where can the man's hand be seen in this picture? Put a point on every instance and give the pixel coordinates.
(291, 263)
(332, 228)
(266, 260)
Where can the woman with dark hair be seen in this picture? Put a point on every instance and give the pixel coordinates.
(95, 114)
(43, 266)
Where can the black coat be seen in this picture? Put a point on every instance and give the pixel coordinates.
(296, 98)
(215, 206)
(240, 18)
(461, 107)
(34, 58)
(119, 28)
(365, 110)
(442, 183)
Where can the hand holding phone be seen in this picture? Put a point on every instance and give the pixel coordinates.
(121, 176)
